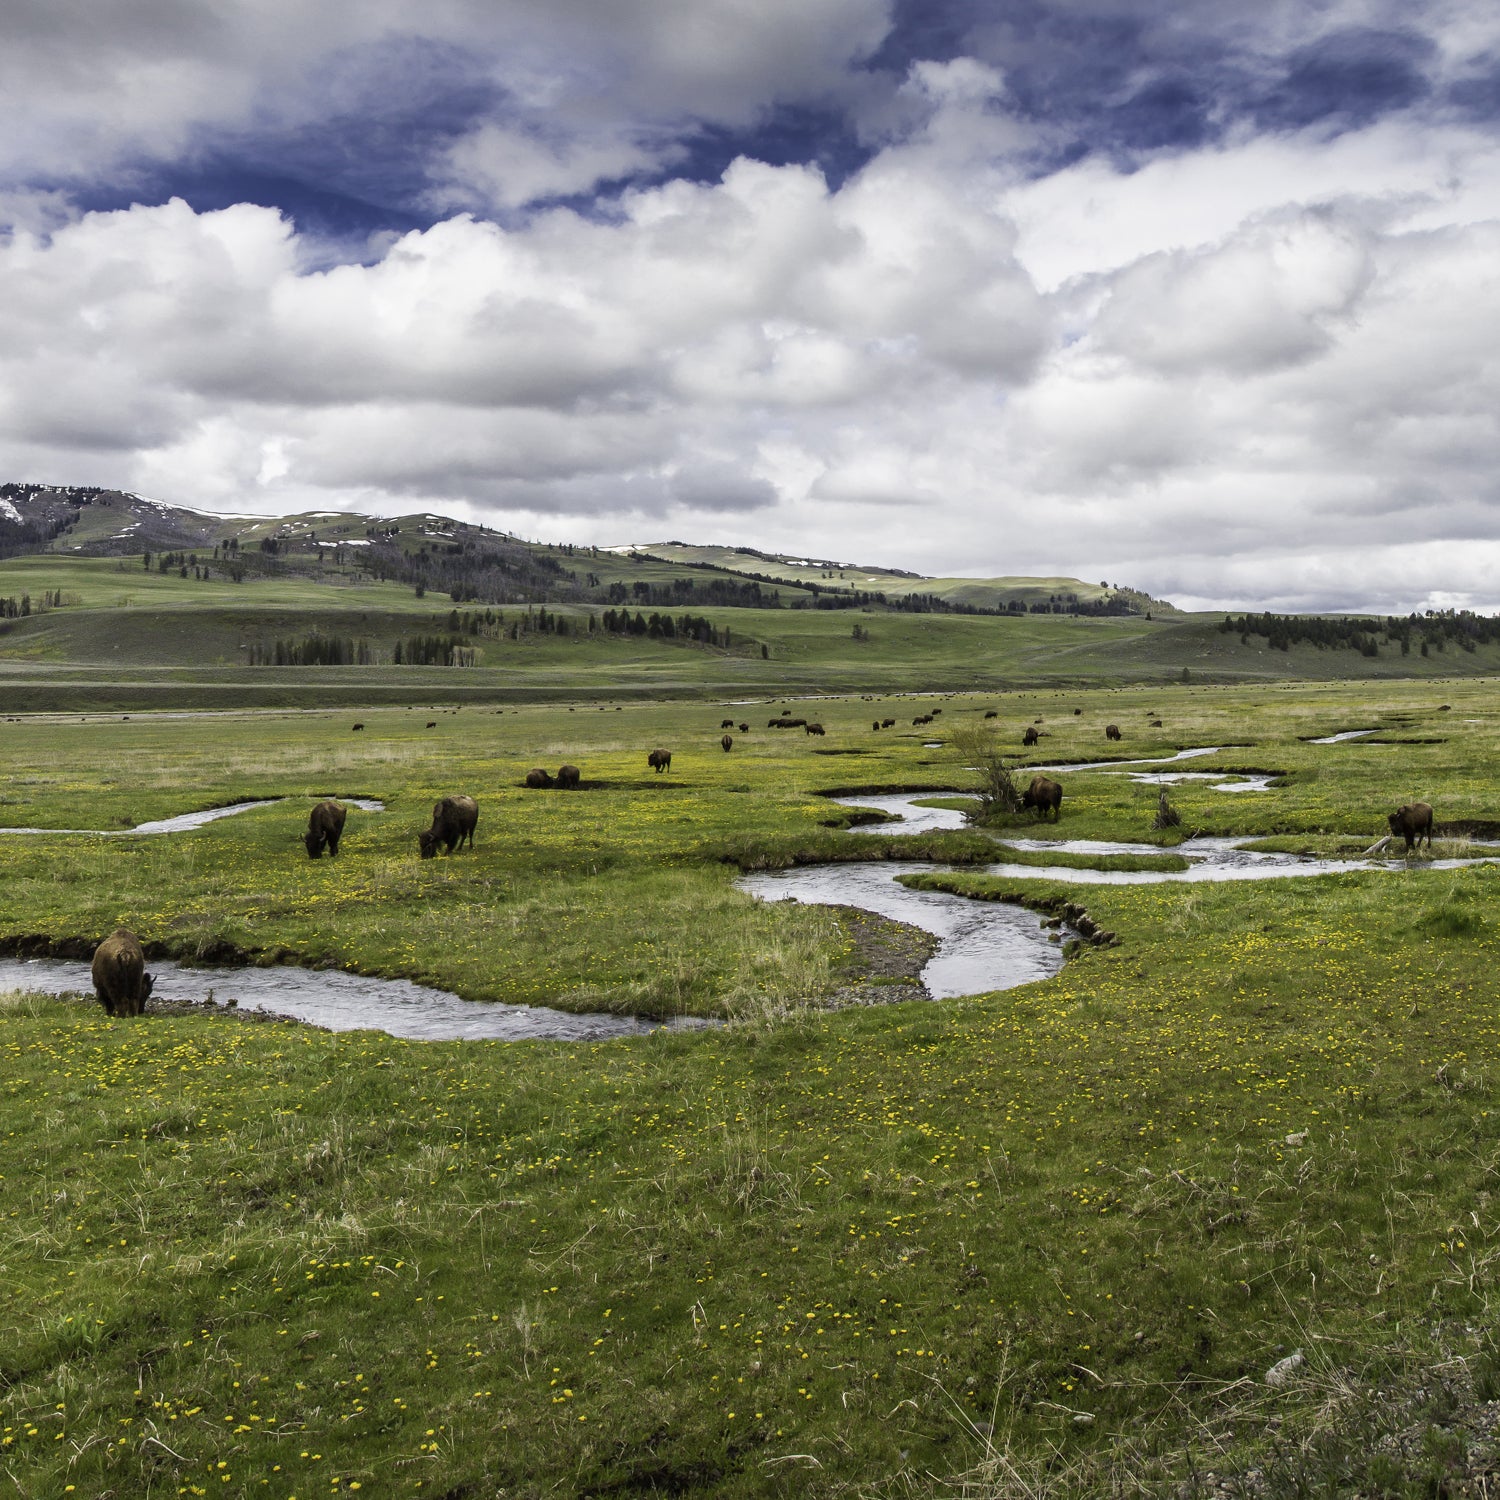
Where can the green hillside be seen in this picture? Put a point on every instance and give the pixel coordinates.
(975, 593)
(127, 637)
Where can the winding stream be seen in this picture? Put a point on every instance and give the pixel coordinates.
(185, 821)
(349, 1002)
(983, 946)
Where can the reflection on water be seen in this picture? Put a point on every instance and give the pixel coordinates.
(348, 1002)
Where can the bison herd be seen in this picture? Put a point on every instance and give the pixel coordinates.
(122, 985)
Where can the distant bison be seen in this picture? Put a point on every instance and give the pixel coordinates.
(453, 820)
(1155, 724)
(1414, 821)
(991, 714)
(432, 723)
(744, 729)
(727, 743)
(1042, 794)
(660, 760)
(1031, 736)
(358, 726)
(567, 777)
(119, 972)
(887, 723)
(1111, 731)
(537, 777)
(876, 726)
(325, 826)
(812, 728)
(726, 724)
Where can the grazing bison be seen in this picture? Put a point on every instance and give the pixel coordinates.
(744, 729)
(1111, 731)
(567, 777)
(728, 743)
(1042, 794)
(876, 726)
(660, 760)
(119, 972)
(1155, 724)
(325, 826)
(812, 729)
(992, 713)
(887, 723)
(1031, 736)
(357, 726)
(1414, 821)
(453, 820)
(537, 777)
(432, 723)
(726, 724)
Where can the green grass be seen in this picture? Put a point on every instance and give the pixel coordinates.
(1041, 1241)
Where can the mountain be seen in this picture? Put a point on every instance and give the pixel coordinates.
(479, 564)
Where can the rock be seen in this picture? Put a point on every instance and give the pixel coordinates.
(1284, 1369)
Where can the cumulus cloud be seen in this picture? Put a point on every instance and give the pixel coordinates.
(1237, 346)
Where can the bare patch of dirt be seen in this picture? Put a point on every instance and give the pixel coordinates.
(885, 963)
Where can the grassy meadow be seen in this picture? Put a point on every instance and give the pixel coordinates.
(1043, 1241)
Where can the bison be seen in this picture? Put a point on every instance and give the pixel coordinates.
(1031, 736)
(726, 724)
(357, 726)
(1111, 731)
(660, 760)
(1414, 821)
(453, 820)
(325, 826)
(537, 777)
(728, 743)
(876, 726)
(812, 729)
(1042, 794)
(119, 973)
(991, 713)
(744, 729)
(567, 777)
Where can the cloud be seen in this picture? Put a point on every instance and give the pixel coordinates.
(1195, 297)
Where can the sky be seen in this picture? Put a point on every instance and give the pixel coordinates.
(1203, 298)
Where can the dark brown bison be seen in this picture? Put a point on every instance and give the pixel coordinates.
(1414, 821)
(358, 726)
(119, 972)
(876, 726)
(537, 777)
(728, 743)
(887, 723)
(567, 777)
(660, 760)
(744, 729)
(812, 729)
(1155, 724)
(453, 820)
(1111, 731)
(325, 826)
(432, 723)
(1042, 794)
(726, 724)
(1031, 736)
(992, 713)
